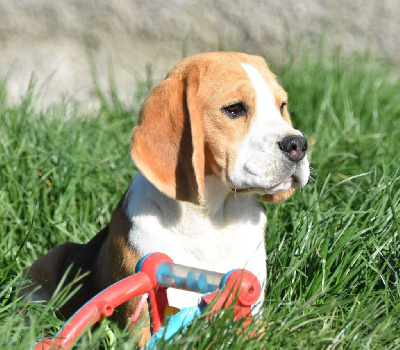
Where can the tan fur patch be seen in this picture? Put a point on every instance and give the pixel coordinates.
(117, 261)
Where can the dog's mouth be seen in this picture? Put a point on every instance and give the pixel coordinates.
(282, 186)
(296, 182)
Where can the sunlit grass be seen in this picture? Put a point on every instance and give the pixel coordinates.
(334, 252)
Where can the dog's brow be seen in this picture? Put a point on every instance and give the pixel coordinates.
(265, 100)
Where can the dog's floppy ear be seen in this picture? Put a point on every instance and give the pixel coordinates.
(167, 145)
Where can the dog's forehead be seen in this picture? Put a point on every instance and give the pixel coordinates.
(224, 73)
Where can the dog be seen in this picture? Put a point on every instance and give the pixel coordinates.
(212, 139)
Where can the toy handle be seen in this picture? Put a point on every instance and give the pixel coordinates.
(188, 278)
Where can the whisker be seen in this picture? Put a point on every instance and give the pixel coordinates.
(312, 179)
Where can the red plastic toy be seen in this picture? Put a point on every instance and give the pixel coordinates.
(154, 274)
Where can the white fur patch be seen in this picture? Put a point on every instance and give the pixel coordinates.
(260, 164)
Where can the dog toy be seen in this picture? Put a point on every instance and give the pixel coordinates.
(154, 274)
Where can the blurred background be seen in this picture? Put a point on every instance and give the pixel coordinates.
(63, 42)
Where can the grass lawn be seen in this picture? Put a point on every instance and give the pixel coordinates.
(333, 248)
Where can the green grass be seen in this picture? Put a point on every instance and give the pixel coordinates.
(334, 251)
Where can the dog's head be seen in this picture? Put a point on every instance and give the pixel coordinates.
(221, 114)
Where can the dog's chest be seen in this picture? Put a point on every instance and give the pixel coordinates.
(232, 237)
(195, 240)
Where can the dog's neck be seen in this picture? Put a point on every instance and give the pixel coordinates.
(221, 205)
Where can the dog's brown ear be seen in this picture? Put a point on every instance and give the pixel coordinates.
(167, 145)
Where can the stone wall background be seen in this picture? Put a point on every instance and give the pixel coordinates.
(52, 38)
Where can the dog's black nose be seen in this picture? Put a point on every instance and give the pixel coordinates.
(294, 147)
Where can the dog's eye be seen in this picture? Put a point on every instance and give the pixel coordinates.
(235, 111)
(283, 107)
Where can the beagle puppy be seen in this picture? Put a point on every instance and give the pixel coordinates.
(212, 139)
